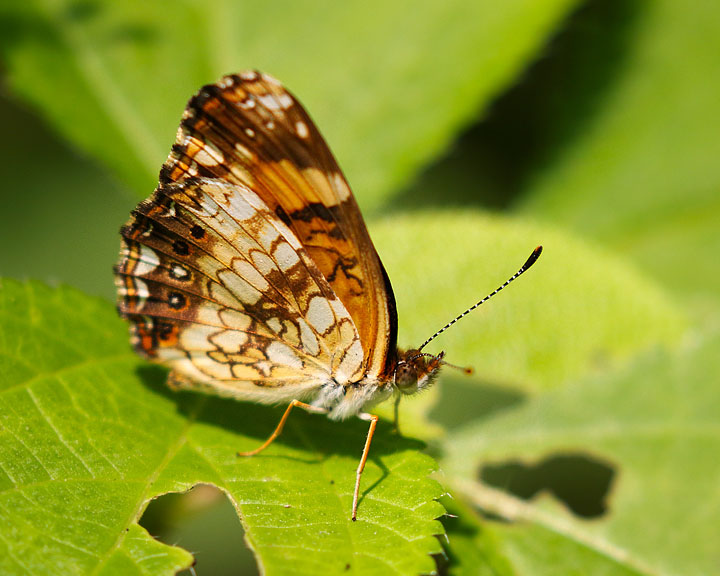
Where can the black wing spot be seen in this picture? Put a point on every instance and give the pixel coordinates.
(162, 330)
(280, 213)
(181, 247)
(176, 300)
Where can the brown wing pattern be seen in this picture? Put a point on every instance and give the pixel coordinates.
(247, 129)
(219, 288)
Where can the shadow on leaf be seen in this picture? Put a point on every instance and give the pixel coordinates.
(536, 120)
(464, 400)
(312, 433)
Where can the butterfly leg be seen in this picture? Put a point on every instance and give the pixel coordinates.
(397, 415)
(281, 424)
(358, 474)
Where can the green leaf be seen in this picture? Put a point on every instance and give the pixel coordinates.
(138, 553)
(388, 86)
(655, 423)
(477, 547)
(470, 547)
(576, 310)
(631, 142)
(89, 434)
(65, 212)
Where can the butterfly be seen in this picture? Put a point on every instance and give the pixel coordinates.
(250, 272)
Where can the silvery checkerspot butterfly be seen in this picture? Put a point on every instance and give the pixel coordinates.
(251, 274)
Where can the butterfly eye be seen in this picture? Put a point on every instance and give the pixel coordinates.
(406, 377)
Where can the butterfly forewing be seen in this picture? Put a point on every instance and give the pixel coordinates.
(247, 129)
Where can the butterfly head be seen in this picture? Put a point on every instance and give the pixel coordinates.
(416, 371)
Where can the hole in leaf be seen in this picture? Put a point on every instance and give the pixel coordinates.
(464, 400)
(581, 482)
(204, 522)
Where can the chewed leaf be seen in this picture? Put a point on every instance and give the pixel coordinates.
(654, 424)
(90, 434)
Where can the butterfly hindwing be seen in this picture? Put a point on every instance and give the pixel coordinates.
(219, 288)
(247, 129)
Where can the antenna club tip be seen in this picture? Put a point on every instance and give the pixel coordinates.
(469, 370)
(532, 259)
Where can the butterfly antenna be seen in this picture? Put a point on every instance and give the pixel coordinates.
(524, 268)
(466, 369)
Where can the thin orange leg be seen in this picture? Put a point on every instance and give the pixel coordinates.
(279, 428)
(373, 423)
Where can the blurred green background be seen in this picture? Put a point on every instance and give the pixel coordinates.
(593, 127)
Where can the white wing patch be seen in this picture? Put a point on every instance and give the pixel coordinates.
(320, 314)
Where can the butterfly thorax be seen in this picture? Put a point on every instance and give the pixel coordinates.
(410, 373)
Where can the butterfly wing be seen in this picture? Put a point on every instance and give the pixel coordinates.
(219, 288)
(247, 129)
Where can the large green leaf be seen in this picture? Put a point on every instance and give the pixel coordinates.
(389, 83)
(97, 413)
(63, 212)
(478, 547)
(655, 423)
(632, 147)
(576, 310)
(89, 435)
